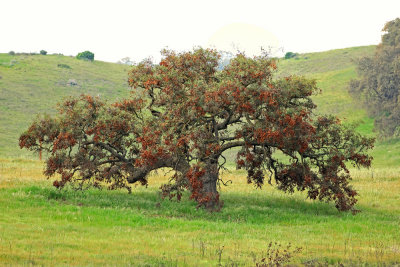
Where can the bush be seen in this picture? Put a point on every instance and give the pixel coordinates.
(86, 55)
(12, 53)
(290, 55)
(65, 66)
(43, 52)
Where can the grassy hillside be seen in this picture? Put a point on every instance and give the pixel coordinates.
(333, 70)
(33, 84)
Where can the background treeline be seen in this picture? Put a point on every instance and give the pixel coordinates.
(378, 86)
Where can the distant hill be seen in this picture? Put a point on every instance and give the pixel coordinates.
(333, 70)
(32, 84)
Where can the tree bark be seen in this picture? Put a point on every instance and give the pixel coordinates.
(209, 190)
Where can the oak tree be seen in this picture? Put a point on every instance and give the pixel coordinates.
(184, 114)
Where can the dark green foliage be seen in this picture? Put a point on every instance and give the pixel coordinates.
(65, 66)
(12, 53)
(289, 55)
(379, 85)
(43, 52)
(86, 55)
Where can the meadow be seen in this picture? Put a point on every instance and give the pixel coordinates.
(41, 225)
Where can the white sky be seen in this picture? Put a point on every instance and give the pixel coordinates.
(139, 29)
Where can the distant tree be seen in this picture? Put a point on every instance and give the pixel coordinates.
(43, 52)
(184, 114)
(126, 61)
(12, 53)
(86, 55)
(378, 86)
(225, 59)
(289, 55)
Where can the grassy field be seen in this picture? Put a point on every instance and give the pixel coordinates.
(40, 225)
(43, 226)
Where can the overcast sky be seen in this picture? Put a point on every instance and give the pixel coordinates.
(139, 29)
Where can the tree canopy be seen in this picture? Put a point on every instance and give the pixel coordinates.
(85, 55)
(184, 114)
(378, 87)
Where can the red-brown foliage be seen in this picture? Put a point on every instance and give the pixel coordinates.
(184, 114)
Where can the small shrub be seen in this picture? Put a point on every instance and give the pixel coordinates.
(86, 55)
(290, 55)
(43, 52)
(65, 66)
(276, 255)
(72, 82)
(12, 53)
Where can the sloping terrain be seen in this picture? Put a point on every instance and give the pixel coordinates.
(33, 84)
(333, 70)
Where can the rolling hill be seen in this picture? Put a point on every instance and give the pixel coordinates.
(33, 84)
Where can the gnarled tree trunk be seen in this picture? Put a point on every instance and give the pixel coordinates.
(208, 194)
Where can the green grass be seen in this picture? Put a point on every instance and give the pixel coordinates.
(320, 62)
(41, 225)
